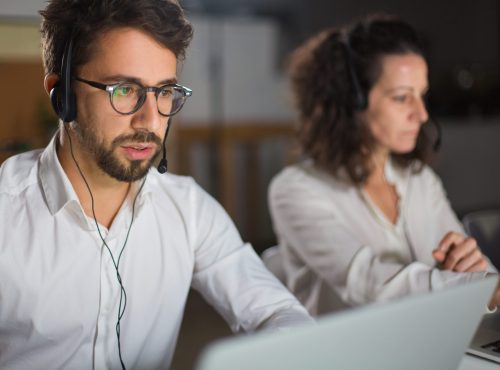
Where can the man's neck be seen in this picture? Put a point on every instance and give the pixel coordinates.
(100, 195)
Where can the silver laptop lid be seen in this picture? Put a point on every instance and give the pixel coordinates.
(427, 331)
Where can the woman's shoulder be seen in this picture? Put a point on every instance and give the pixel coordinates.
(306, 175)
(425, 181)
(423, 173)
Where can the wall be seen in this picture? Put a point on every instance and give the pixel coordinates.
(468, 164)
(230, 66)
(26, 118)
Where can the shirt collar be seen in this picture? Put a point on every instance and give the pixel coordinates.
(56, 185)
(58, 189)
(397, 176)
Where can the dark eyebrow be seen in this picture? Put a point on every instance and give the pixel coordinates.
(168, 81)
(404, 88)
(124, 78)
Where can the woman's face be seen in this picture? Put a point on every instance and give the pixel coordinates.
(396, 108)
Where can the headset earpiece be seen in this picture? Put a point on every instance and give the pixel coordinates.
(61, 96)
(55, 99)
(359, 98)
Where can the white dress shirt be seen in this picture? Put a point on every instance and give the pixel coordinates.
(341, 251)
(59, 292)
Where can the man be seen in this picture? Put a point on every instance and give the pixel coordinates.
(97, 250)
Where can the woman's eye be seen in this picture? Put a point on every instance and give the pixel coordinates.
(399, 98)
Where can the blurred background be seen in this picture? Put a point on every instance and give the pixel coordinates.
(236, 131)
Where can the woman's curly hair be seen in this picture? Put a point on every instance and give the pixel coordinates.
(329, 74)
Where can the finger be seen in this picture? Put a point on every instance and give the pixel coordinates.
(495, 298)
(438, 255)
(473, 262)
(481, 266)
(449, 240)
(459, 252)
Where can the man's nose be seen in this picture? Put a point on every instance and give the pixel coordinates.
(148, 117)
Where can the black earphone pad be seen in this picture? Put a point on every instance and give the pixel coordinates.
(70, 111)
(55, 99)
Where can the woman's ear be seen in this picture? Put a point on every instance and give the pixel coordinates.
(50, 81)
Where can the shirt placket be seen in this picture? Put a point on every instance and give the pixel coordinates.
(106, 350)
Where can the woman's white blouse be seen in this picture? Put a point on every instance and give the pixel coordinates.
(340, 250)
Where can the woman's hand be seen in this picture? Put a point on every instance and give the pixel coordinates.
(495, 298)
(457, 252)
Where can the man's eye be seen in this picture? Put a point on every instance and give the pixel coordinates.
(166, 92)
(123, 91)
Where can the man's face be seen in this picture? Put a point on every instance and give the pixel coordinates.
(123, 146)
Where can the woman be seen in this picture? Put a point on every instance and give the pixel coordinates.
(365, 219)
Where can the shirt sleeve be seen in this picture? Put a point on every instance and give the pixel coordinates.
(232, 278)
(319, 236)
(443, 218)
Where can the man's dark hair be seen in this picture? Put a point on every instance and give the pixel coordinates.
(85, 20)
(321, 72)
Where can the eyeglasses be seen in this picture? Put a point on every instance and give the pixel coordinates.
(129, 97)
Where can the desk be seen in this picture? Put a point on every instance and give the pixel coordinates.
(470, 362)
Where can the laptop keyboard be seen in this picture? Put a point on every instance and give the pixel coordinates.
(493, 346)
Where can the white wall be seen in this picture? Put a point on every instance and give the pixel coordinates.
(231, 67)
(21, 8)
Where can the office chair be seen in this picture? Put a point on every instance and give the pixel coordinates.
(484, 226)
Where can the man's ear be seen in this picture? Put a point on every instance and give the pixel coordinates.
(50, 81)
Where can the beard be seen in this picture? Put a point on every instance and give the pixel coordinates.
(107, 160)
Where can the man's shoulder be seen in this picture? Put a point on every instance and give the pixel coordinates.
(181, 191)
(171, 182)
(19, 172)
(176, 187)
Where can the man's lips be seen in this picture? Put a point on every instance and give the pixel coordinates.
(138, 151)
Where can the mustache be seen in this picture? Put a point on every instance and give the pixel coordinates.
(138, 137)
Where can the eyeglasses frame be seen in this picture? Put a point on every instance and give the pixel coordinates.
(187, 92)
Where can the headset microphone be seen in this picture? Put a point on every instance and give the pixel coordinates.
(162, 166)
(439, 134)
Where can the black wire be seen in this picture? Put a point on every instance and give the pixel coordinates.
(116, 264)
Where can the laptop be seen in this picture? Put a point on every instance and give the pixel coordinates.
(425, 331)
(486, 341)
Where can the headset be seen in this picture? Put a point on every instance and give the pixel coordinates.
(359, 98)
(63, 101)
(61, 96)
